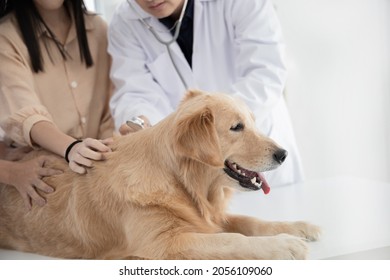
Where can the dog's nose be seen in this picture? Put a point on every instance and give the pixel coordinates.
(280, 155)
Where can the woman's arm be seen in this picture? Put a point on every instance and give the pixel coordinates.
(80, 156)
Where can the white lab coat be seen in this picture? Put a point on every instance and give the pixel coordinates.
(237, 49)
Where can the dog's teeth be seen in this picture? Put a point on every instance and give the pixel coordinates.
(235, 166)
(255, 183)
(238, 171)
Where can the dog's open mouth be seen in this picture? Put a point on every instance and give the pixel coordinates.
(246, 178)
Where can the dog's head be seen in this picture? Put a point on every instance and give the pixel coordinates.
(219, 131)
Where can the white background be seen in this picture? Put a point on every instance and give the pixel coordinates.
(338, 88)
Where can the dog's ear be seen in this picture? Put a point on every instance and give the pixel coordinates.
(197, 138)
(192, 93)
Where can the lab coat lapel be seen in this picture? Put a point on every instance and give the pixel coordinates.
(177, 54)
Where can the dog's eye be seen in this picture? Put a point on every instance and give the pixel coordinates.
(237, 127)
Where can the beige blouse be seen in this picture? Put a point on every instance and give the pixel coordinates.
(68, 94)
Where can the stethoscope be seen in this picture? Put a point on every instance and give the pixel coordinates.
(166, 43)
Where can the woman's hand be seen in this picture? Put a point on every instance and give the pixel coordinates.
(26, 177)
(82, 155)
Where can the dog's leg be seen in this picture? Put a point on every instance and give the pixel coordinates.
(250, 226)
(237, 246)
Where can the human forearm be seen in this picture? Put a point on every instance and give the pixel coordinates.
(49, 137)
(80, 155)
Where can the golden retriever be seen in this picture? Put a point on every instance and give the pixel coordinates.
(161, 194)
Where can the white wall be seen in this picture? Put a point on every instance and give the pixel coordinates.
(338, 87)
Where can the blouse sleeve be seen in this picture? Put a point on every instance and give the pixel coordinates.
(20, 107)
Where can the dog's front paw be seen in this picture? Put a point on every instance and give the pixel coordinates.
(306, 230)
(288, 247)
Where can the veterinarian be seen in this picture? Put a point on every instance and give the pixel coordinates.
(224, 45)
(54, 82)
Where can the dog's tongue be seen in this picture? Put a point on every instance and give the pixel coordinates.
(265, 187)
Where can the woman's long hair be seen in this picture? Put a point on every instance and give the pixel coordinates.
(31, 23)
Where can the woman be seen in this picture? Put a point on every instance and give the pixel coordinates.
(224, 45)
(54, 78)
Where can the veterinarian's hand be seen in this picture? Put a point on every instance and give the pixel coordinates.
(125, 129)
(84, 153)
(26, 177)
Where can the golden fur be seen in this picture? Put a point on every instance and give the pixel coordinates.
(161, 194)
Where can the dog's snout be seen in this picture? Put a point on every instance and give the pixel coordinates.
(280, 155)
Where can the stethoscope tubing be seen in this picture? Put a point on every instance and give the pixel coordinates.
(167, 43)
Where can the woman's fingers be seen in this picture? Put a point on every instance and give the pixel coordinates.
(26, 200)
(41, 185)
(107, 141)
(77, 168)
(35, 196)
(96, 145)
(84, 153)
(30, 195)
(45, 172)
(88, 153)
